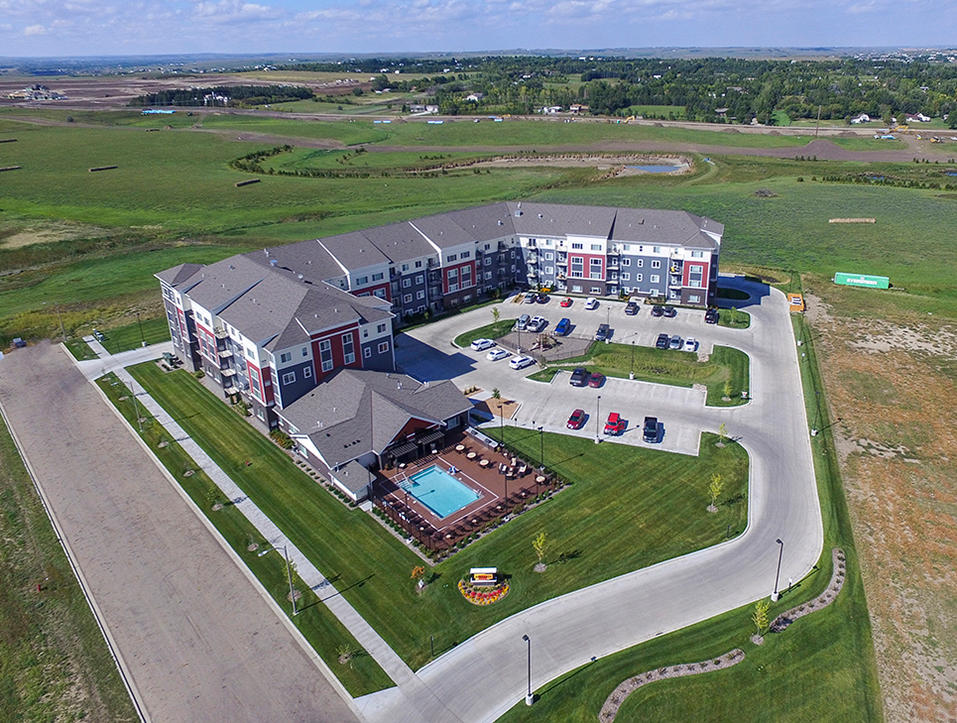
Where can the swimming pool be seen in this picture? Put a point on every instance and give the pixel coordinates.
(440, 491)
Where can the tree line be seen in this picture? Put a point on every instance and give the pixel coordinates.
(238, 95)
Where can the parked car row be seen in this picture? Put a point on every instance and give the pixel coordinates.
(581, 377)
(616, 425)
(531, 323)
(676, 342)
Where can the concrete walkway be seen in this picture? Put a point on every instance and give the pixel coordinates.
(368, 638)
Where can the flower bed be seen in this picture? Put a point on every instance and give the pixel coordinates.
(483, 595)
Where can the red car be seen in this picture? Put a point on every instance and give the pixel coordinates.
(566, 302)
(596, 380)
(576, 420)
(615, 424)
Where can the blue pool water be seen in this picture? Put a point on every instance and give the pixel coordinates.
(440, 491)
(950, 173)
(655, 169)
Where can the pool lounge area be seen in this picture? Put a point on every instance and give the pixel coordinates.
(440, 491)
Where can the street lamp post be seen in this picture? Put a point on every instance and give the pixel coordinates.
(142, 338)
(529, 698)
(541, 447)
(775, 595)
(501, 418)
(598, 420)
(292, 591)
(631, 374)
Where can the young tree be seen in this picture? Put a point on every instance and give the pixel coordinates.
(727, 388)
(723, 431)
(540, 545)
(760, 616)
(714, 489)
(496, 314)
(418, 574)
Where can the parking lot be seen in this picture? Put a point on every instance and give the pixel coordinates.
(428, 353)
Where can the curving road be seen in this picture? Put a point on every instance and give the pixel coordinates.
(484, 676)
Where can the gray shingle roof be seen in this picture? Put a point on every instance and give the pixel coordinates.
(443, 231)
(549, 219)
(399, 241)
(664, 227)
(357, 411)
(485, 222)
(353, 250)
(178, 274)
(308, 258)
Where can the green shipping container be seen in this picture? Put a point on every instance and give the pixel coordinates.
(870, 282)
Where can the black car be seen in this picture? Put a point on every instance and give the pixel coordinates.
(663, 341)
(670, 311)
(657, 310)
(631, 308)
(711, 316)
(579, 377)
(649, 432)
(603, 333)
(542, 298)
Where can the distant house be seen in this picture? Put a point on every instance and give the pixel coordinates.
(721, 112)
(550, 109)
(578, 108)
(474, 97)
(419, 108)
(918, 118)
(862, 118)
(36, 92)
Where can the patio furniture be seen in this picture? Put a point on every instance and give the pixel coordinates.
(484, 463)
(460, 448)
(540, 479)
(471, 455)
(522, 470)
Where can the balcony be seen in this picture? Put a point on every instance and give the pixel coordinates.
(220, 333)
(531, 260)
(674, 281)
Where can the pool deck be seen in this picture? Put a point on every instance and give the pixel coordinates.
(499, 492)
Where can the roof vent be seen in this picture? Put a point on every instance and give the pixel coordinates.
(273, 262)
(518, 212)
(501, 222)
(299, 276)
(541, 215)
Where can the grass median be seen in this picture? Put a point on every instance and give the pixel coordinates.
(318, 625)
(592, 524)
(495, 330)
(726, 374)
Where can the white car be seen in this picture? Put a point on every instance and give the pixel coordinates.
(591, 303)
(482, 344)
(691, 344)
(496, 354)
(537, 323)
(520, 362)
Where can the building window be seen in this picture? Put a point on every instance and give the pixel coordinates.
(289, 378)
(466, 276)
(639, 263)
(694, 299)
(348, 351)
(488, 261)
(307, 372)
(418, 265)
(578, 247)
(383, 347)
(380, 329)
(596, 289)
(639, 277)
(451, 257)
(655, 264)
(626, 262)
(419, 279)
(406, 283)
(406, 298)
(656, 249)
(305, 351)
(549, 256)
(377, 277)
(420, 294)
(362, 280)
(549, 269)
(405, 267)
(697, 254)
(466, 254)
(596, 247)
(576, 289)
(655, 278)
(367, 352)
(625, 276)
(325, 355)
(285, 357)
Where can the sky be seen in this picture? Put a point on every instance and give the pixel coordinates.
(146, 27)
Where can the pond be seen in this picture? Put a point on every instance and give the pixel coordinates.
(655, 169)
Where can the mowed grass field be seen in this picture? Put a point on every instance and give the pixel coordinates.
(627, 508)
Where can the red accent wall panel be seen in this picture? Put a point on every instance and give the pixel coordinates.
(458, 278)
(370, 290)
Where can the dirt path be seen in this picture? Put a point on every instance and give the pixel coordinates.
(198, 641)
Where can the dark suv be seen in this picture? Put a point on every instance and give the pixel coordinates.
(631, 308)
(649, 432)
(657, 310)
(711, 316)
(603, 333)
(579, 377)
(670, 311)
(663, 341)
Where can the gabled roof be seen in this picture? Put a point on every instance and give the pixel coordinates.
(443, 231)
(666, 228)
(550, 219)
(358, 411)
(484, 223)
(221, 283)
(353, 250)
(178, 274)
(399, 241)
(308, 258)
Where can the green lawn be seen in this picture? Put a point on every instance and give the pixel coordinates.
(822, 668)
(54, 663)
(372, 569)
(494, 330)
(734, 319)
(131, 336)
(317, 624)
(666, 366)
